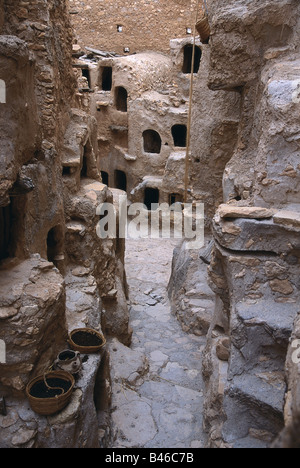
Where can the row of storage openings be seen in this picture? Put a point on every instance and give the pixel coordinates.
(120, 180)
(153, 142)
(106, 73)
(151, 195)
(121, 94)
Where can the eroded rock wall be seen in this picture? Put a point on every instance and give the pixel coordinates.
(255, 49)
(247, 139)
(55, 271)
(255, 265)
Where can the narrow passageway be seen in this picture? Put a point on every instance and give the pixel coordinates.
(173, 386)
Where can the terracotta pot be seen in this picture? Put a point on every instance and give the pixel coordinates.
(69, 361)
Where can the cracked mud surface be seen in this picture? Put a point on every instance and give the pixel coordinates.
(157, 385)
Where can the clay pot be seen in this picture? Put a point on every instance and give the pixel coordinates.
(69, 361)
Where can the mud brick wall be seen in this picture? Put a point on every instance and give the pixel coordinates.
(147, 24)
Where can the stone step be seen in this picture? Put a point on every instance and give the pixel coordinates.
(254, 398)
(260, 336)
(254, 403)
(277, 318)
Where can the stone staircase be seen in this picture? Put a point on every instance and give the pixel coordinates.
(260, 301)
(254, 397)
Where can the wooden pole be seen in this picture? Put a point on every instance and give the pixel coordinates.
(188, 143)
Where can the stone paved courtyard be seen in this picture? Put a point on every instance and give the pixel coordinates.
(157, 384)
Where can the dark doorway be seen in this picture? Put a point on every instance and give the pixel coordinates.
(5, 231)
(105, 177)
(86, 74)
(84, 169)
(121, 180)
(106, 78)
(66, 171)
(179, 133)
(55, 242)
(151, 198)
(87, 155)
(152, 142)
(187, 59)
(121, 97)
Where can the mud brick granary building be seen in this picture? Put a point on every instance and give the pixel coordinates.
(102, 99)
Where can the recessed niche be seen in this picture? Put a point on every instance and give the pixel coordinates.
(152, 142)
(179, 133)
(175, 198)
(86, 159)
(106, 78)
(67, 171)
(12, 227)
(151, 198)
(86, 74)
(121, 97)
(121, 180)
(55, 244)
(188, 57)
(105, 178)
(5, 231)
